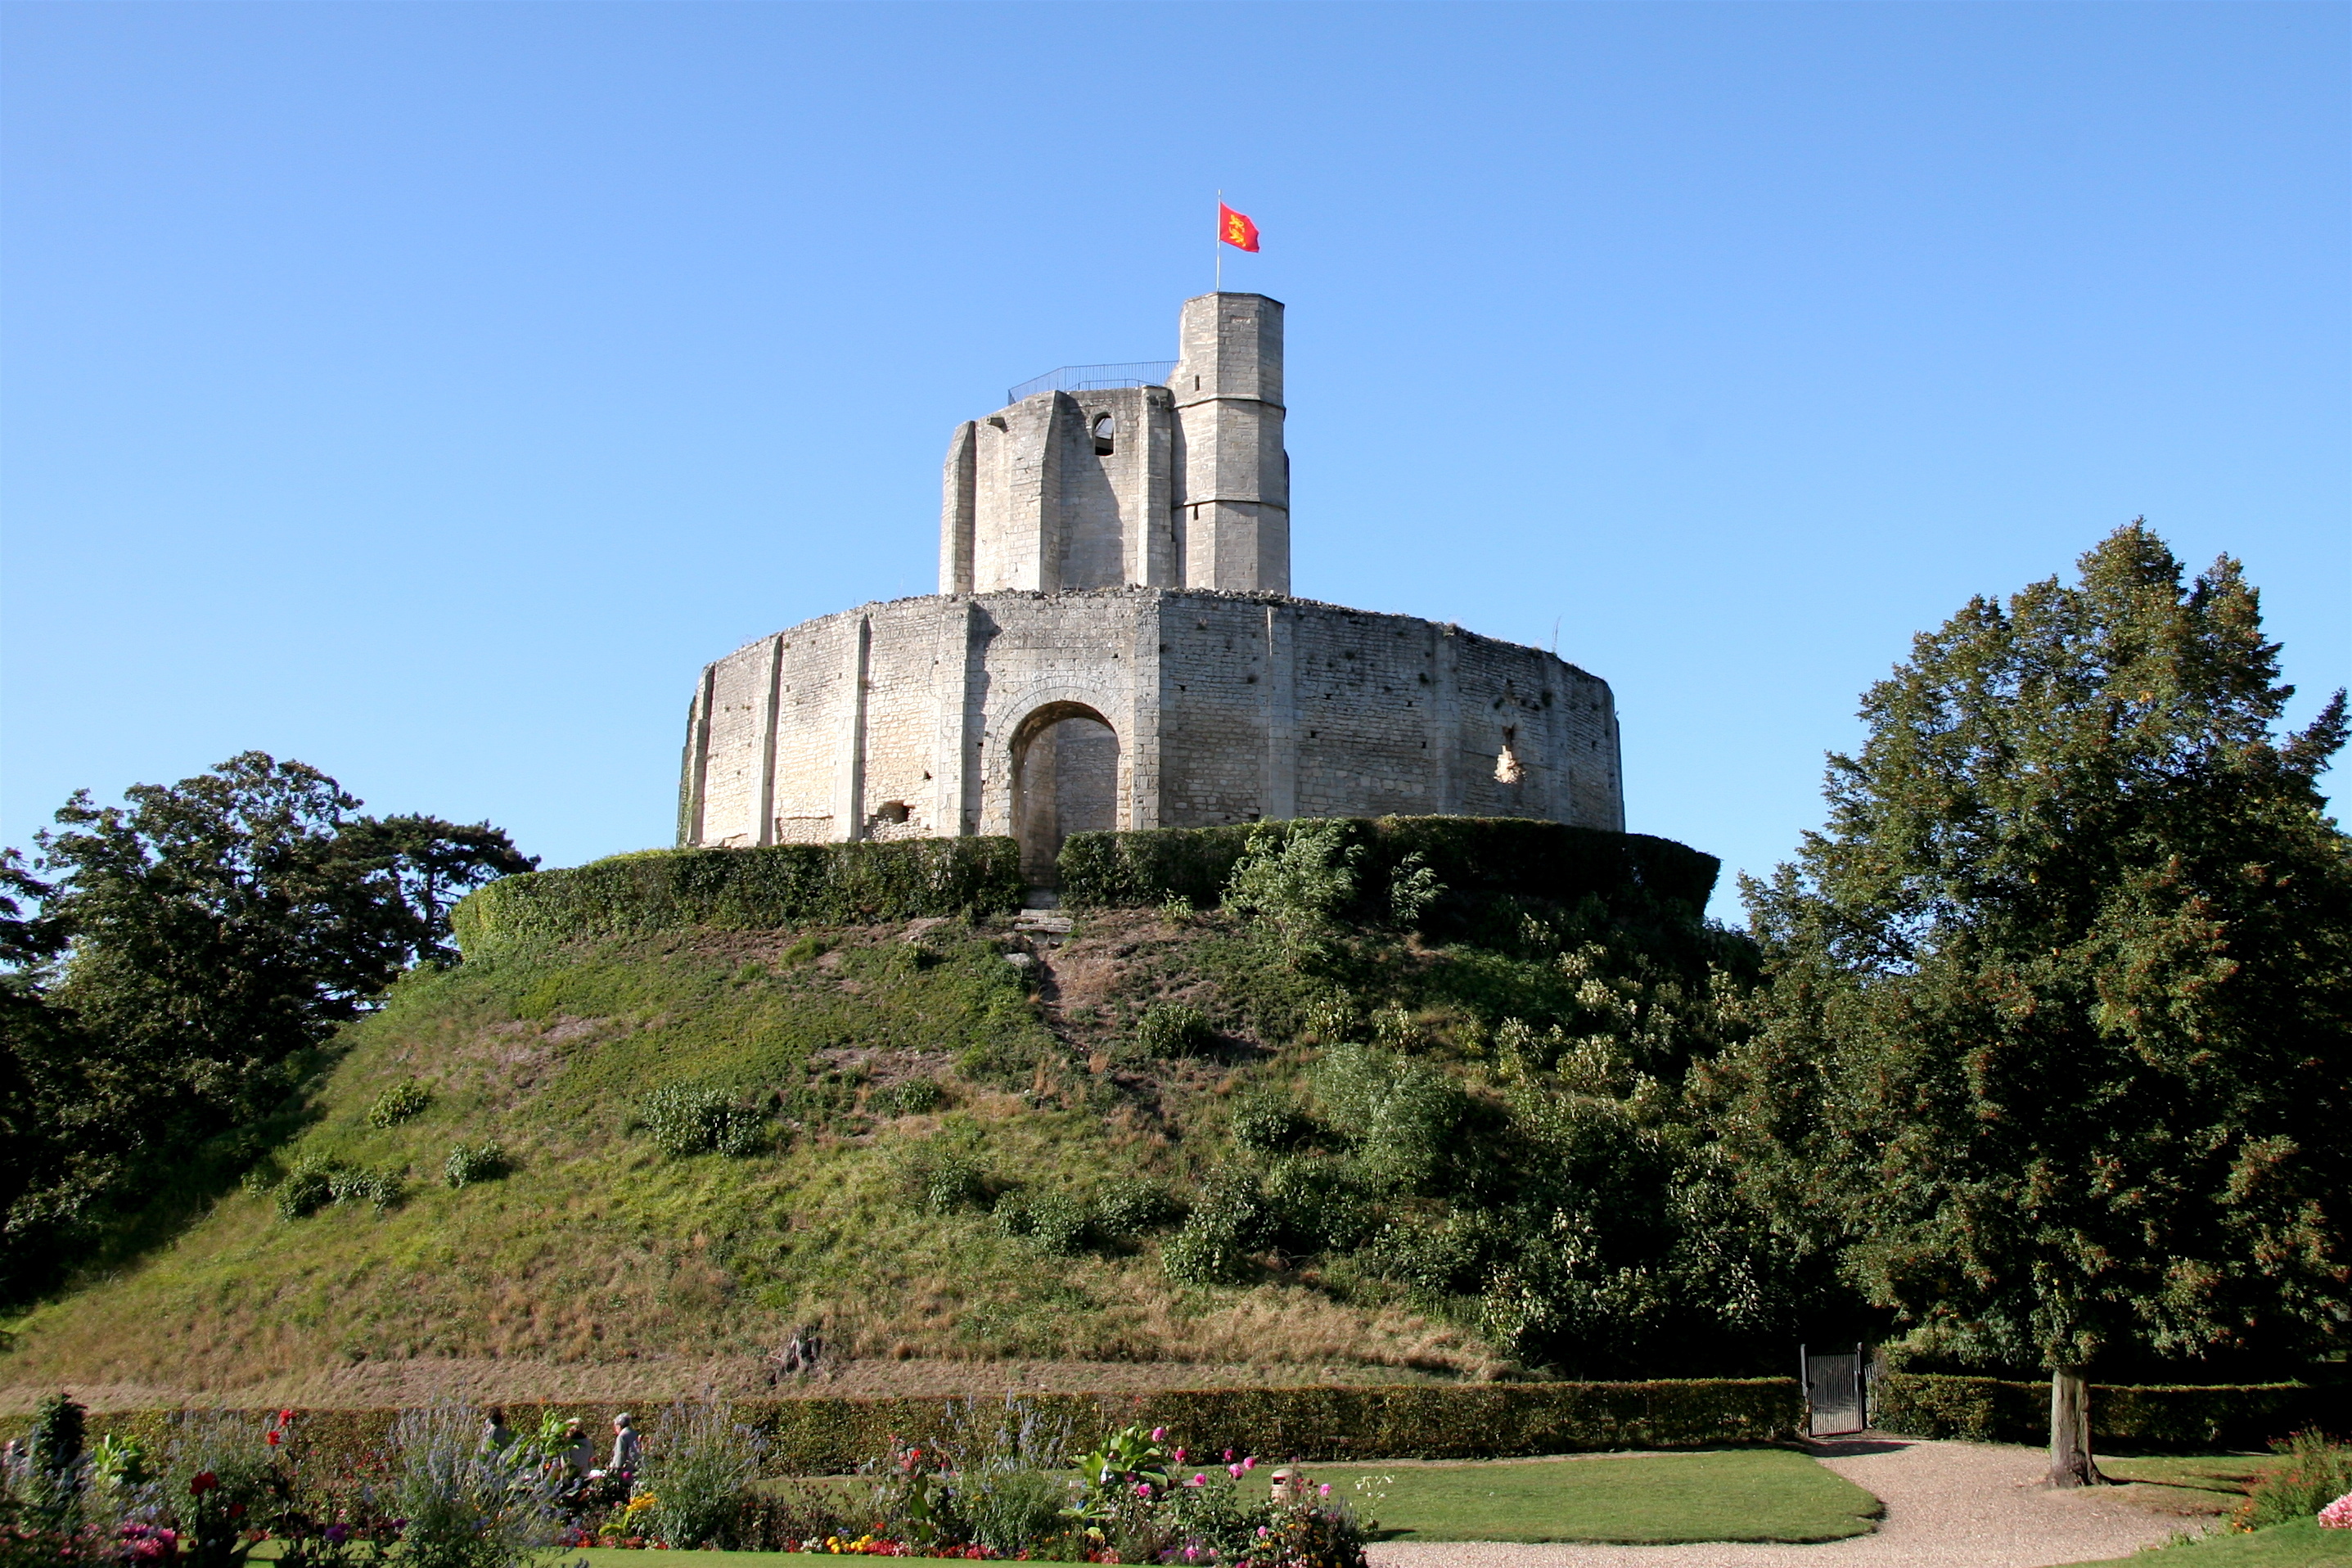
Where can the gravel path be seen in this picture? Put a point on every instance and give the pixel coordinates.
(1949, 1505)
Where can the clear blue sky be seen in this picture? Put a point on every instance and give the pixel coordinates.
(426, 392)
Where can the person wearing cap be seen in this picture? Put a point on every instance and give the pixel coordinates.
(628, 1454)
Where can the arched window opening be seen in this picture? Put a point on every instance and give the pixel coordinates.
(1105, 427)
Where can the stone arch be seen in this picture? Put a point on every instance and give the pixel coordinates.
(1065, 757)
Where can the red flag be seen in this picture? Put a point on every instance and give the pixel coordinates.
(1235, 228)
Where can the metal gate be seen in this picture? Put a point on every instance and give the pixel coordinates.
(1836, 1392)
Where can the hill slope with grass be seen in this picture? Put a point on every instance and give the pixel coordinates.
(1320, 1132)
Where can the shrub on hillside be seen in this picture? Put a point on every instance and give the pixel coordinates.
(1297, 878)
(684, 1120)
(1271, 1124)
(1225, 1226)
(316, 1180)
(1173, 1029)
(362, 1185)
(941, 1177)
(1052, 1222)
(397, 1104)
(465, 1166)
(914, 1097)
(2313, 1471)
(1127, 1210)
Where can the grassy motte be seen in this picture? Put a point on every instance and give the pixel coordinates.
(1733, 1494)
(2296, 1545)
(1273, 1140)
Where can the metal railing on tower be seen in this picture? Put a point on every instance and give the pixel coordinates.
(1094, 378)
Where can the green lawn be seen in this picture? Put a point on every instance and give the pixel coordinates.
(2281, 1546)
(1732, 1494)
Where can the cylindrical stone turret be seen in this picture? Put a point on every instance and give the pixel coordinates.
(1232, 477)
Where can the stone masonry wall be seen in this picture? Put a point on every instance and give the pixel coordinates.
(918, 717)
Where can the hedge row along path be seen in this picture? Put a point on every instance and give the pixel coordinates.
(1949, 1505)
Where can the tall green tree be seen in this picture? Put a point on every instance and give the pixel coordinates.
(190, 946)
(2056, 1046)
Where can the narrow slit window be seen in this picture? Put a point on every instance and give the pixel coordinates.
(1105, 429)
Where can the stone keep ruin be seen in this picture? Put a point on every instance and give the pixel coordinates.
(1114, 646)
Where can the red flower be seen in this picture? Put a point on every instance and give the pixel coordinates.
(204, 1482)
(284, 1416)
(271, 1438)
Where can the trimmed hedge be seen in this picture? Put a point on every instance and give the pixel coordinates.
(2156, 1416)
(788, 884)
(1478, 859)
(1431, 1421)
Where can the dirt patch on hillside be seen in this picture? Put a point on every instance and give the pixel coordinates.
(482, 1381)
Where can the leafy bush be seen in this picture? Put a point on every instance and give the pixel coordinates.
(1271, 1124)
(684, 1120)
(1412, 888)
(2314, 1471)
(1225, 1226)
(315, 1182)
(1313, 1205)
(699, 1467)
(1173, 1029)
(1132, 1208)
(914, 1097)
(1404, 1118)
(941, 1175)
(1296, 880)
(361, 1185)
(466, 1505)
(397, 1104)
(1052, 1221)
(465, 1166)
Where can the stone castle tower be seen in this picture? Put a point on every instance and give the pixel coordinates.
(1114, 646)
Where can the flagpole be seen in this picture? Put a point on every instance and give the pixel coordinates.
(1218, 245)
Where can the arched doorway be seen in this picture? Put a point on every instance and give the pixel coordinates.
(1065, 781)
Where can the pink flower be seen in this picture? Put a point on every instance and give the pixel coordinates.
(1233, 1470)
(1143, 1488)
(1180, 1456)
(1198, 1481)
(1325, 1488)
(1250, 1463)
(1158, 1433)
(2338, 1515)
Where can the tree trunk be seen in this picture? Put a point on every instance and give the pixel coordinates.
(2070, 1430)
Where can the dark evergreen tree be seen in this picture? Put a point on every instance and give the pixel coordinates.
(2056, 1047)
